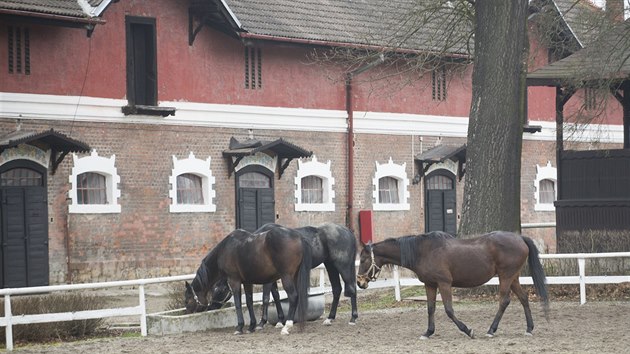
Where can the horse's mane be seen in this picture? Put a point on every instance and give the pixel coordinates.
(409, 245)
(204, 268)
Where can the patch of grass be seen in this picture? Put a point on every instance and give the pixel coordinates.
(375, 299)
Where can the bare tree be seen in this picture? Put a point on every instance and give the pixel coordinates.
(495, 129)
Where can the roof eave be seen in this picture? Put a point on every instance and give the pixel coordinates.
(69, 21)
(324, 43)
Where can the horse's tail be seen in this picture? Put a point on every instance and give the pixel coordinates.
(538, 274)
(304, 281)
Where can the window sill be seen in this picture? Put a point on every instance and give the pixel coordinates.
(391, 207)
(192, 208)
(94, 209)
(315, 207)
(148, 110)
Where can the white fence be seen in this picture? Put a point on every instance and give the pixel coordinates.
(9, 319)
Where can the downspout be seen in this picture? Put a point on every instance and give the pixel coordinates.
(350, 136)
(350, 142)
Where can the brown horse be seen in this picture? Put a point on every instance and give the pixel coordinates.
(245, 259)
(441, 261)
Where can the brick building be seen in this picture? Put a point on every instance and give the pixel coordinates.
(136, 134)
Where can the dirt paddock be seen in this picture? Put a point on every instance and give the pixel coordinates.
(596, 327)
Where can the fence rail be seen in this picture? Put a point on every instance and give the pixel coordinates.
(9, 319)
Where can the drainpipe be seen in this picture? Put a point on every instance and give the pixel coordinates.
(350, 136)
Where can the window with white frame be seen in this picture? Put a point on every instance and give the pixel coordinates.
(192, 186)
(545, 187)
(314, 186)
(391, 185)
(94, 185)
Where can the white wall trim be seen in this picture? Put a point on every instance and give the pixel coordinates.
(545, 172)
(390, 169)
(321, 170)
(91, 109)
(104, 166)
(199, 168)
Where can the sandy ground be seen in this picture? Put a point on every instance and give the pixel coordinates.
(596, 327)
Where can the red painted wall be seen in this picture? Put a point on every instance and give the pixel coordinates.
(211, 70)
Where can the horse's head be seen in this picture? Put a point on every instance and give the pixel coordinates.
(194, 299)
(221, 293)
(368, 267)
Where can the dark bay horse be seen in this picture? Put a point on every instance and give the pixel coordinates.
(336, 247)
(441, 261)
(332, 244)
(243, 258)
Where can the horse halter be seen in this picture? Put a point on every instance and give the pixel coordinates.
(374, 270)
(199, 304)
(228, 295)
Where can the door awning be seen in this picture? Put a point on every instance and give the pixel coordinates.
(440, 154)
(280, 148)
(59, 144)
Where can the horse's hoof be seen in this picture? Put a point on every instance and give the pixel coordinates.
(424, 337)
(352, 323)
(327, 322)
(238, 333)
(489, 335)
(259, 328)
(471, 334)
(285, 331)
(279, 325)
(529, 334)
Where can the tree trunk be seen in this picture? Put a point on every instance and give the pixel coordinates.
(492, 191)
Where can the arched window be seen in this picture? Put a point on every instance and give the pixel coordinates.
(314, 186)
(547, 192)
(189, 190)
(254, 180)
(21, 177)
(388, 190)
(192, 185)
(94, 185)
(390, 187)
(312, 192)
(545, 187)
(91, 188)
(439, 182)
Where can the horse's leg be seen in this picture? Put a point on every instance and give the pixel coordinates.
(447, 299)
(350, 290)
(504, 301)
(278, 302)
(249, 300)
(238, 306)
(431, 296)
(335, 283)
(265, 306)
(522, 297)
(292, 294)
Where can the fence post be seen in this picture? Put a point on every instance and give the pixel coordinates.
(143, 307)
(396, 283)
(581, 266)
(8, 316)
(321, 278)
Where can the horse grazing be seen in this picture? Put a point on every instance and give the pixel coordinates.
(441, 261)
(335, 246)
(243, 258)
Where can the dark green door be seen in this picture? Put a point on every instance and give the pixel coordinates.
(24, 226)
(255, 198)
(441, 203)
